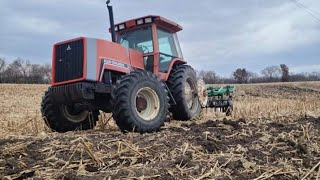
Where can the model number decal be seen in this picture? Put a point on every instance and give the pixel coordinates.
(116, 63)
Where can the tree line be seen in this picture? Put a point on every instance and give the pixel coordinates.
(21, 71)
(279, 73)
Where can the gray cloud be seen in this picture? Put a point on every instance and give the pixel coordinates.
(217, 35)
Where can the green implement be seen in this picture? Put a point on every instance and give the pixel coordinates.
(220, 98)
(220, 91)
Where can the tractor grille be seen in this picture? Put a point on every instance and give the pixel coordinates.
(69, 61)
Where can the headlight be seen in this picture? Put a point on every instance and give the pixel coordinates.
(148, 20)
(140, 21)
(121, 27)
(116, 28)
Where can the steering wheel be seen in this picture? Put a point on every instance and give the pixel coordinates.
(144, 49)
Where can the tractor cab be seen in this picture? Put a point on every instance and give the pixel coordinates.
(155, 37)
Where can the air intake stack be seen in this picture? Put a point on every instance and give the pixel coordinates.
(110, 9)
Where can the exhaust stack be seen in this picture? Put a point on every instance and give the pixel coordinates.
(110, 9)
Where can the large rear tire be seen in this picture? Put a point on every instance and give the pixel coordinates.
(182, 83)
(63, 118)
(140, 102)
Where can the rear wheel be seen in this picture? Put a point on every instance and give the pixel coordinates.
(182, 83)
(63, 118)
(141, 102)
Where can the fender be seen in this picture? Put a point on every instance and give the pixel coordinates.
(174, 62)
(109, 64)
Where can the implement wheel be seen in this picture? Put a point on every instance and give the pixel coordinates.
(140, 102)
(229, 109)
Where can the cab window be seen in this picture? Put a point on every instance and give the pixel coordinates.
(139, 39)
(169, 49)
(166, 43)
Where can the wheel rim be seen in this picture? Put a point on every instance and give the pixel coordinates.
(73, 115)
(191, 95)
(147, 103)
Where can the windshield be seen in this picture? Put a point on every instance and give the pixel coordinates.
(138, 39)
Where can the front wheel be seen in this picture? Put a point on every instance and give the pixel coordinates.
(63, 118)
(140, 102)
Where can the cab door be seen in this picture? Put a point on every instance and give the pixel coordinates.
(169, 49)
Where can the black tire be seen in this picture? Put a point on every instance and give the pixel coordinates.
(55, 118)
(125, 112)
(179, 77)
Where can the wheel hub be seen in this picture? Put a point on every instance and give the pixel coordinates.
(73, 114)
(147, 103)
(141, 104)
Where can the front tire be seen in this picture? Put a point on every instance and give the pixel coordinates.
(182, 83)
(62, 118)
(140, 102)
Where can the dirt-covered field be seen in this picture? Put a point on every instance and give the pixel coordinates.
(274, 133)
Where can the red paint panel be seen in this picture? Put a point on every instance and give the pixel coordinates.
(67, 82)
(111, 51)
(156, 49)
(53, 65)
(161, 21)
(136, 59)
(131, 24)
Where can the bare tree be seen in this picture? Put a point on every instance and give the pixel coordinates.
(13, 72)
(241, 75)
(36, 74)
(271, 72)
(47, 72)
(209, 77)
(2, 64)
(2, 69)
(285, 73)
(25, 69)
(252, 76)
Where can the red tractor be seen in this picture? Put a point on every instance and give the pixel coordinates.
(139, 77)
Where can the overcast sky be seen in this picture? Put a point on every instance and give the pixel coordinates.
(218, 35)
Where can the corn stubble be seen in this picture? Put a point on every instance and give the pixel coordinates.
(272, 134)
